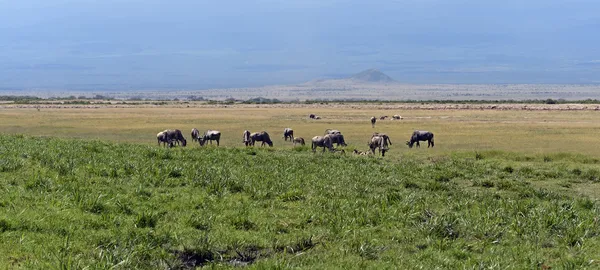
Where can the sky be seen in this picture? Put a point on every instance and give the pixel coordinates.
(198, 44)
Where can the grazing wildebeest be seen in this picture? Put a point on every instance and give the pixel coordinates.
(378, 142)
(332, 131)
(373, 120)
(195, 134)
(311, 116)
(288, 133)
(210, 135)
(338, 139)
(246, 138)
(299, 140)
(420, 135)
(383, 117)
(322, 141)
(396, 117)
(385, 137)
(262, 136)
(175, 135)
(163, 138)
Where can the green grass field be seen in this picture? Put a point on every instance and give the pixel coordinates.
(519, 194)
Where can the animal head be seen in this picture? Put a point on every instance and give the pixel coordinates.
(410, 144)
(184, 143)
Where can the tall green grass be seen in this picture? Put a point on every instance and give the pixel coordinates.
(71, 204)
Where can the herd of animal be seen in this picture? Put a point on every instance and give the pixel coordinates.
(381, 141)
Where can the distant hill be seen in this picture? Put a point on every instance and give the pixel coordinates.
(371, 76)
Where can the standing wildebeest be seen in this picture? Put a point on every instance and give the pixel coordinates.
(373, 120)
(195, 134)
(396, 117)
(288, 133)
(378, 142)
(299, 140)
(246, 138)
(210, 135)
(322, 141)
(163, 138)
(332, 131)
(338, 139)
(420, 135)
(175, 135)
(262, 136)
(386, 138)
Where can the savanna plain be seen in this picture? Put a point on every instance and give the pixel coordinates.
(88, 187)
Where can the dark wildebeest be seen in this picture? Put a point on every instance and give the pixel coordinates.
(311, 116)
(338, 139)
(175, 135)
(195, 134)
(385, 137)
(262, 136)
(210, 135)
(420, 135)
(377, 142)
(373, 120)
(332, 131)
(383, 117)
(288, 133)
(163, 138)
(299, 140)
(322, 141)
(396, 117)
(246, 138)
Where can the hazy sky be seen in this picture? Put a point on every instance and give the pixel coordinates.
(194, 44)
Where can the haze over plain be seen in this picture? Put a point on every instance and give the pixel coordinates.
(135, 45)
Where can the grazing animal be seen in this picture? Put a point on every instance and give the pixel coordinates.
(332, 131)
(162, 138)
(338, 139)
(317, 117)
(420, 135)
(195, 134)
(311, 116)
(383, 117)
(210, 135)
(377, 142)
(175, 135)
(396, 117)
(385, 137)
(322, 141)
(246, 138)
(262, 136)
(299, 140)
(373, 120)
(288, 133)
